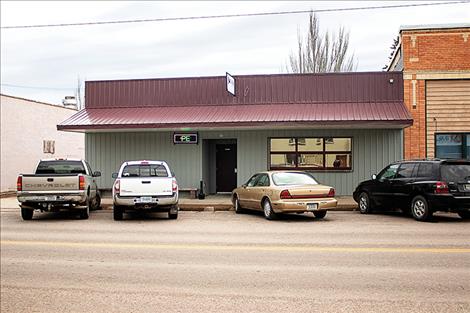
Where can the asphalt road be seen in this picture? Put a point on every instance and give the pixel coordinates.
(223, 262)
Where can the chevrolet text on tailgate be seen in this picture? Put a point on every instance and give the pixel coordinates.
(59, 184)
(145, 185)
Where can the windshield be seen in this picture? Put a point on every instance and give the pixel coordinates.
(151, 170)
(285, 179)
(455, 172)
(60, 167)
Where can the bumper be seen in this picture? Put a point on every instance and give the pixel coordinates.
(295, 206)
(449, 203)
(57, 199)
(133, 202)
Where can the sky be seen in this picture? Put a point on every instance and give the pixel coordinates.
(46, 64)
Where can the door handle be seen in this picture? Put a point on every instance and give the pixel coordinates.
(146, 182)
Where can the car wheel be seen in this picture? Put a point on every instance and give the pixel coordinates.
(268, 210)
(238, 208)
(464, 214)
(364, 203)
(85, 213)
(27, 214)
(420, 209)
(117, 213)
(319, 214)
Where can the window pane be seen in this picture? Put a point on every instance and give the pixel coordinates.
(425, 170)
(405, 170)
(310, 144)
(337, 144)
(338, 160)
(283, 160)
(60, 167)
(284, 179)
(388, 172)
(310, 160)
(283, 144)
(449, 146)
(468, 147)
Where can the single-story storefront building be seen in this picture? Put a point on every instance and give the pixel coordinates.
(340, 126)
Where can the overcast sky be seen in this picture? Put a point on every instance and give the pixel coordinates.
(48, 61)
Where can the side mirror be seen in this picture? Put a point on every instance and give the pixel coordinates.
(374, 176)
(244, 186)
(115, 175)
(96, 174)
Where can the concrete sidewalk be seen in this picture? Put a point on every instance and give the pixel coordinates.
(210, 203)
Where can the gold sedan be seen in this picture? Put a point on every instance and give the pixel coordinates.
(284, 192)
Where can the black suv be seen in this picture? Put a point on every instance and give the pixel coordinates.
(419, 187)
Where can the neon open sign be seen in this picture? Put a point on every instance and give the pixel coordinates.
(185, 138)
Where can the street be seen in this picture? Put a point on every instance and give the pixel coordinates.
(224, 262)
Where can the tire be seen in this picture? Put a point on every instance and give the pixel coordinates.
(319, 214)
(268, 210)
(85, 213)
(364, 203)
(27, 214)
(237, 206)
(464, 214)
(117, 213)
(97, 202)
(420, 209)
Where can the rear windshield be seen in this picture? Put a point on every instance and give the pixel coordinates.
(60, 167)
(455, 172)
(286, 179)
(150, 170)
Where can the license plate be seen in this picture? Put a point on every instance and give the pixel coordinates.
(312, 206)
(145, 199)
(50, 198)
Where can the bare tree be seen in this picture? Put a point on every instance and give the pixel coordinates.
(321, 53)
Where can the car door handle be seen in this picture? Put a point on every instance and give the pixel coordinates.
(146, 182)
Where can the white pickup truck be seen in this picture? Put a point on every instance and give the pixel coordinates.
(145, 185)
(59, 184)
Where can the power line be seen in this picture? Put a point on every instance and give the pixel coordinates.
(35, 87)
(165, 19)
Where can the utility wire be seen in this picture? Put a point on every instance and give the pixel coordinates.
(164, 19)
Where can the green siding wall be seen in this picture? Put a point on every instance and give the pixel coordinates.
(372, 150)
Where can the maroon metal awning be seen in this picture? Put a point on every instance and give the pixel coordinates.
(354, 115)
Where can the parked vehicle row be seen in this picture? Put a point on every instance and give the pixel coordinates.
(418, 187)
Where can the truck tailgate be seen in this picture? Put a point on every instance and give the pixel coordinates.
(50, 183)
(146, 186)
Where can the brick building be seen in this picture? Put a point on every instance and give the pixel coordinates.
(435, 60)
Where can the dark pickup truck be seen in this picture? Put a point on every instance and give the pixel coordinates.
(420, 187)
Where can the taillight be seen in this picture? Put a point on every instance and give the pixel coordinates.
(19, 183)
(285, 194)
(81, 182)
(174, 185)
(117, 186)
(331, 193)
(441, 187)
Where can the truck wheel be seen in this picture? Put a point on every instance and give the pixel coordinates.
(319, 214)
(98, 202)
(173, 213)
(117, 213)
(420, 209)
(85, 213)
(27, 214)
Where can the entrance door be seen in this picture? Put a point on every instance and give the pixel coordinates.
(226, 167)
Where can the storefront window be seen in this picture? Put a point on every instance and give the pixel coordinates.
(452, 146)
(317, 153)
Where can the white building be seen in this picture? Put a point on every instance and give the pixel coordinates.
(29, 133)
